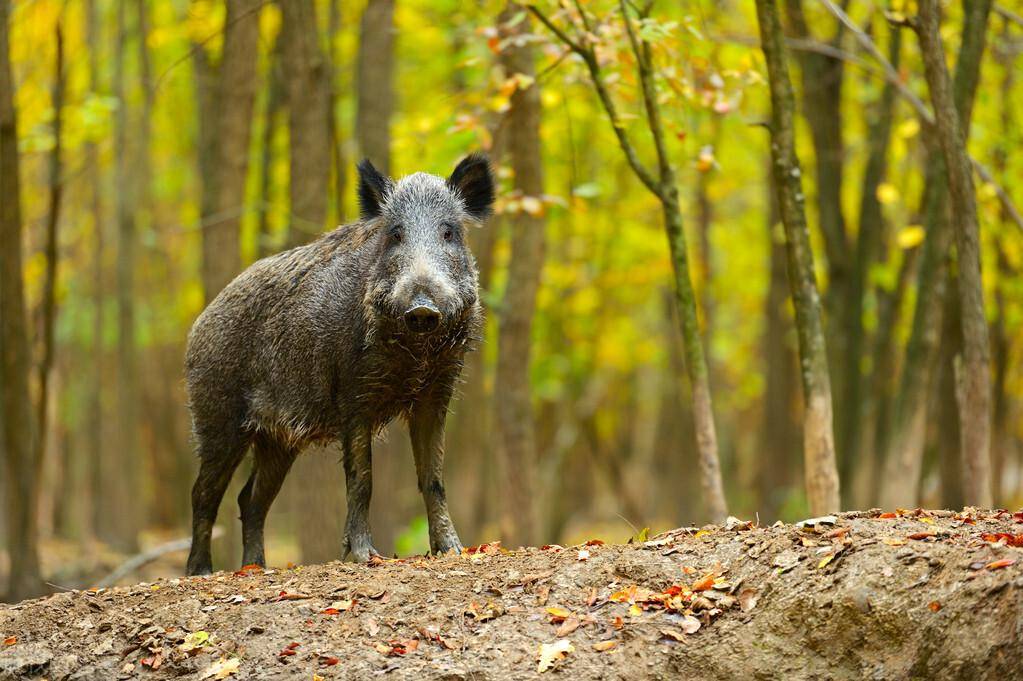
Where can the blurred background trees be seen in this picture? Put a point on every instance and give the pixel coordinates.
(157, 147)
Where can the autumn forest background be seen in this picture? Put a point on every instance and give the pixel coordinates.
(672, 303)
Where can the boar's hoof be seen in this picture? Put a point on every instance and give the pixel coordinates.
(446, 545)
(358, 549)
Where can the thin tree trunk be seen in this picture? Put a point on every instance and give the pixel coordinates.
(21, 471)
(121, 474)
(780, 428)
(696, 364)
(91, 516)
(274, 100)
(904, 456)
(308, 91)
(336, 136)
(862, 421)
(822, 80)
(514, 407)
(375, 102)
(49, 301)
(822, 482)
(663, 185)
(231, 112)
(975, 405)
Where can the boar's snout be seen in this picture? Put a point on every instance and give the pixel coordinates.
(423, 316)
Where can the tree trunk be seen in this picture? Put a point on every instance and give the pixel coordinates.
(306, 82)
(855, 414)
(975, 391)
(91, 517)
(265, 243)
(514, 406)
(780, 428)
(21, 470)
(305, 76)
(49, 301)
(230, 110)
(822, 80)
(375, 90)
(120, 475)
(822, 483)
(899, 484)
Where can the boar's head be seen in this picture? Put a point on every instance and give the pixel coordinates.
(423, 276)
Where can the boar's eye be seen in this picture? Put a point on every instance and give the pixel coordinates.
(395, 234)
(449, 231)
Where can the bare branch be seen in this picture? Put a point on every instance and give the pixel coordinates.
(925, 114)
(1009, 14)
(589, 57)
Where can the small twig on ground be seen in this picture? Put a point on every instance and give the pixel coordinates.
(140, 560)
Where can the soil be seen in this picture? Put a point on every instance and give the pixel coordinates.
(917, 594)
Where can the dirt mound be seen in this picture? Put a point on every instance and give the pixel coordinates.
(918, 594)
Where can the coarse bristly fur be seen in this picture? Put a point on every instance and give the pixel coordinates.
(313, 344)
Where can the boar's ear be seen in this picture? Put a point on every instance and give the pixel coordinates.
(373, 189)
(473, 180)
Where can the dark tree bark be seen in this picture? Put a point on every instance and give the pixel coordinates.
(375, 102)
(21, 471)
(822, 482)
(975, 387)
(226, 129)
(514, 408)
(306, 82)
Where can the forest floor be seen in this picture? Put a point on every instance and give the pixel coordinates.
(914, 594)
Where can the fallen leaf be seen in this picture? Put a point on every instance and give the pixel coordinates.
(888, 516)
(892, 541)
(10, 640)
(814, 522)
(674, 635)
(153, 662)
(825, 560)
(618, 623)
(635, 610)
(249, 569)
(285, 596)
(921, 535)
(194, 641)
(1004, 538)
(935, 606)
(550, 654)
(595, 542)
(998, 564)
(372, 627)
(222, 668)
(705, 584)
(748, 599)
(558, 615)
(604, 646)
(567, 627)
(328, 660)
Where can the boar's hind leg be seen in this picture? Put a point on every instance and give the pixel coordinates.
(426, 429)
(271, 462)
(358, 462)
(220, 457)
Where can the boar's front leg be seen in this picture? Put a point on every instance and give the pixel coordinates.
(426, 429)
(358, 462)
